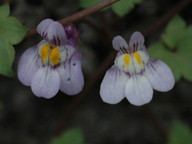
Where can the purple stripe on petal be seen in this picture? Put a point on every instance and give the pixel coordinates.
(45, 82)
(119, 44)
(28, 65)
(138, 90)
(112, 89)
(136, 41)
(56, 34)
(159, 75)
(43, 27)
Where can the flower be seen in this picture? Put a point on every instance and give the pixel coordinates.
(134, 74)
(53, 64)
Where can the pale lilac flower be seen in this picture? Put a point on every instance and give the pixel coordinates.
(52, 65)
(134, 74)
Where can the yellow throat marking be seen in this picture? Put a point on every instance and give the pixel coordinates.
(50, 54)
(54, 57)
(127, 59)
(138, 58)
(45, 50)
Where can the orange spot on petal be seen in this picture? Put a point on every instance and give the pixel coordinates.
(54, 57)
(127, 59)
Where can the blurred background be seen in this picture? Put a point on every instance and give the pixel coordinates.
(26, 119)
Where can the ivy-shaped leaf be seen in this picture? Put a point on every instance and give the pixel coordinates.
(176, 48)
(122, 7)
(72, 136)
(180, 134)
(174, 32)
(11, 32)
(4, 10)
(7, 54)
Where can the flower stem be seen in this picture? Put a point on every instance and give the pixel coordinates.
(79, 15)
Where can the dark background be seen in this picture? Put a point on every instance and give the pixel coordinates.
(26, 119)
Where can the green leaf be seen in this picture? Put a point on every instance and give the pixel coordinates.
(72, 136)
(185, 53)
(88, 3)
(7, 54)
(186, 67)
(122, 7)
(174, 32)
(11, 30)
(158, 51)
(180, 134)
(4, 10)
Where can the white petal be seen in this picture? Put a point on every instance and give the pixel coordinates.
(119, 43)
(136, 40)
(56, 34)
(45, 82)
(112, 88)
(72, 80)
(138, 90)
(28, 65)
(43, 27)
(160, 75)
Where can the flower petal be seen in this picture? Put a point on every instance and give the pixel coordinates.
(112, 88)
(72, 80)
(138, 90)
(119, 43)
(160, 75)
(52, 31)
(45, 82)
(56, 34)
(137, 40)
(43, 27)
(28, 65)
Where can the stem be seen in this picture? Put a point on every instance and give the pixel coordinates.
(79, 15)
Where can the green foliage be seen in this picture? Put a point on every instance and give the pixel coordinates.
(175, 48)
(4, 10)
(180, 134)
(158, 51)
(72, 136)
(121, 7)
(174, 32)
(11, 32)
(124, 6)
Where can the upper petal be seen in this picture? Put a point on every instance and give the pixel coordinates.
(137, 40)
(112, 88)
(28, 65)
(43, 27)
(45, 82)
(138, 90)
(52, 31)
(56, 34)
(119, 43)
(72, 80)
(159, 75)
